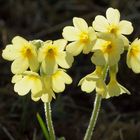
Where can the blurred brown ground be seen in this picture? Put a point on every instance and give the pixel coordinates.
(119, 117)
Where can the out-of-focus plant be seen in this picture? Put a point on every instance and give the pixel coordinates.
(39, 67)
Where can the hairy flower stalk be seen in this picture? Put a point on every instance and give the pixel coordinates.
(48, 115)
(95, 112)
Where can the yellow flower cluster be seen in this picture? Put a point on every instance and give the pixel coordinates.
(35, 65)
(106, 40)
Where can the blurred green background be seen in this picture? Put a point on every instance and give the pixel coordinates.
(119, 117)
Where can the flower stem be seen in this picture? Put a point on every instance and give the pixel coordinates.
(47, 108)
(95, 112)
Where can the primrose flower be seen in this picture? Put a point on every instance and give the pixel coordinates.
(94, 81)
(133, 56)
(107, 51)
(81, 36)
(52, 54)
(53, 83)
(114, 88)
(112, 24)
(23, 54)
(26, 82)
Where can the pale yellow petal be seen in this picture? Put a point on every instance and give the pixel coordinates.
(16, 78)
(37, 87)
(33, 63)
(80, 24)
(92, 34)
(35, 99)
(64, 59)
(113, 16)
(98, 58)
(70, 33)
(58, 83)
(10, 53)
(60, 44)
(19, 41)
(74, 48)
(100, 24)
(49, 66)
(66, 77)
(125, 27)
(23, 86)
(88, 85)
(135, 64)
(19, 65)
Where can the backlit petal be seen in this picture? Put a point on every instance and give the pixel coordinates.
(125, 27)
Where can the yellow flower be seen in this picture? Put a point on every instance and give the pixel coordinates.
(112, 23)
(107, 51)
(23, 53)
(82, 37)
(94, 81)
(28, 81)
(53, 83)
(114, 88)
(133, 56)
(52, 54)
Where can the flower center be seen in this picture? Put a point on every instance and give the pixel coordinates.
(26, 52)
(51, 52)
(84, 38)
(113, 29)
(107, 48)
(134, 51)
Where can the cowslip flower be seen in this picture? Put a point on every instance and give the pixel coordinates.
(23, 54)
(112, 23)
(94, 81)
(53, 83)
(26, 82)
(113, 87)
(107, 50)
(81, 36)
(52, 54)
(133, 56)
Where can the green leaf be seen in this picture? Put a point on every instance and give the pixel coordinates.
(43, 127)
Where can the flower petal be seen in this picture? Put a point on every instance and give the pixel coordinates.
(33, 63)
(19, 41)
(49, 66)
(113, 16)
(88, 85)
(100, 24)
(23, 86)
(70, 33)
(66, 77)
(19, 65)
(16, 78)
(64, 59)
(74, 48)
(58, 83)
(125, 27)
(80, 24)
(98, 58)
(10, 53)
(60, 43)
(135, 64)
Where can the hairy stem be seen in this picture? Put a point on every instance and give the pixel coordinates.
(47, 108)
